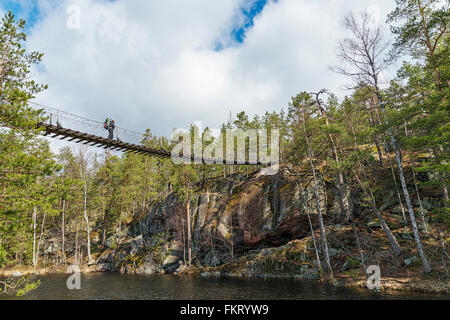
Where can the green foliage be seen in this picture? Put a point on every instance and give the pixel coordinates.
(18, 286)
(3, 256)
(29, 286)
(25, 159)
(159, 246)
(423, 23)
(353, 263)
(442, 215)
(353, 273)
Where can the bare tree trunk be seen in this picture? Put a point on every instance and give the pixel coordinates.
(88, 234)
(319, 263)
(188, 218)
(422, 214)
(34, 236)
(380, 156)
(188, 222)
(386, 229)
(119, 233)
(63, 223)
(444, 189)
(86, 217)
(323, 235)
(231, 239)
(426, 265)
(344, 198)
(77, 257)
(341, 182)
(394, 244)
(184, 240)
(364, 52)
(105, 226)
(396, 186)
(80, 254)
(40, 238)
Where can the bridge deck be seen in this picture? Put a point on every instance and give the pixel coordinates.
(93, 140)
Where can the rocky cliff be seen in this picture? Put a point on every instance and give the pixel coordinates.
(257, 225)
(230, 218)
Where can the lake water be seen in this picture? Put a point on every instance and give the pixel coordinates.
(119, 286)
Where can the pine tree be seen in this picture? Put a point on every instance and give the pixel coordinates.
(23, 156)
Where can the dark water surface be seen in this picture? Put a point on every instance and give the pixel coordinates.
(119, 286)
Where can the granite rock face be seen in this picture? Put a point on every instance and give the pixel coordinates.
(229, 216)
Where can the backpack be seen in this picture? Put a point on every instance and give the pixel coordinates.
(106, 123)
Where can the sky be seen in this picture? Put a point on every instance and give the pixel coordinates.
(167, 64)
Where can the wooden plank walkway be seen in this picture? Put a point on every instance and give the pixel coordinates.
(93, 140)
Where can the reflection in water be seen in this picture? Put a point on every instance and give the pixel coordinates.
(153, 287)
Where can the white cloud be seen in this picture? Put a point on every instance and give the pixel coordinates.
(151, 63)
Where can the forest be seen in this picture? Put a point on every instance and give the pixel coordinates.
(385, 145)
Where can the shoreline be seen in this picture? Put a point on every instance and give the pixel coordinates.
(428, 286)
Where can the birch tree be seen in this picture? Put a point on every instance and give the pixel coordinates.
(83, 168)
(363, 55)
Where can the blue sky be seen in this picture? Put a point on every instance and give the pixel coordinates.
(28, 10)
(249, 12)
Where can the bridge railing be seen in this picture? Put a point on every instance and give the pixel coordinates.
(75, 122)
(67, 120)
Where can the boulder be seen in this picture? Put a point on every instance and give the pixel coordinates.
(150, 269)
(104, 267)
(171, 264)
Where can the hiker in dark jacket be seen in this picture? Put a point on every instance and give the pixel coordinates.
(109, 125)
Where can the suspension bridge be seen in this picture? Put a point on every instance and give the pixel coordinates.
(63, 125)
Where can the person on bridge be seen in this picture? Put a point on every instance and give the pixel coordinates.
(109, 125)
